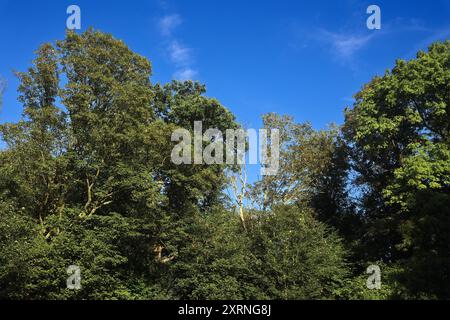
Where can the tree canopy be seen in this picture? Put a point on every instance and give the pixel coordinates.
(86, 180)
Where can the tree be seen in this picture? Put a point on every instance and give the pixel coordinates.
(313, 173)
(298, 256)
(88, 171)
(86, 179)
(398, 133)
(216, 263)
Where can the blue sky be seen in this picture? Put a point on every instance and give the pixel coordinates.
(303, 58)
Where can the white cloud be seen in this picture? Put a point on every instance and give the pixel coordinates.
(168, 23)
(185, 74)
(345, 45)
(179, 54)
(2, 85)
(182, 57)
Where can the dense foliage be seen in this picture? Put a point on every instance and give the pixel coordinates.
(86, 179)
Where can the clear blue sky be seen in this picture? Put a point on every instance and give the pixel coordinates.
(303, 58)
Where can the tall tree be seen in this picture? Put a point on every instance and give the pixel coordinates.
(313, 172)
(399, 131)
(90, 164)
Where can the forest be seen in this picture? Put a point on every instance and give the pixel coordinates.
(86, 180)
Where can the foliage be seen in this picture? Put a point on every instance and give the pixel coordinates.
(86, 179)
(398, 133)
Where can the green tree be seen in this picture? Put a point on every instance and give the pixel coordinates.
(216, 263)
(89, 174)
(313, 172)
(297, 256)
(398, 133)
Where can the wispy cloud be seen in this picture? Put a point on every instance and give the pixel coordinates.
(343, 44)
(2, 89)
(180, 55)
(168, 23)
(185, 74)
(2, 84)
